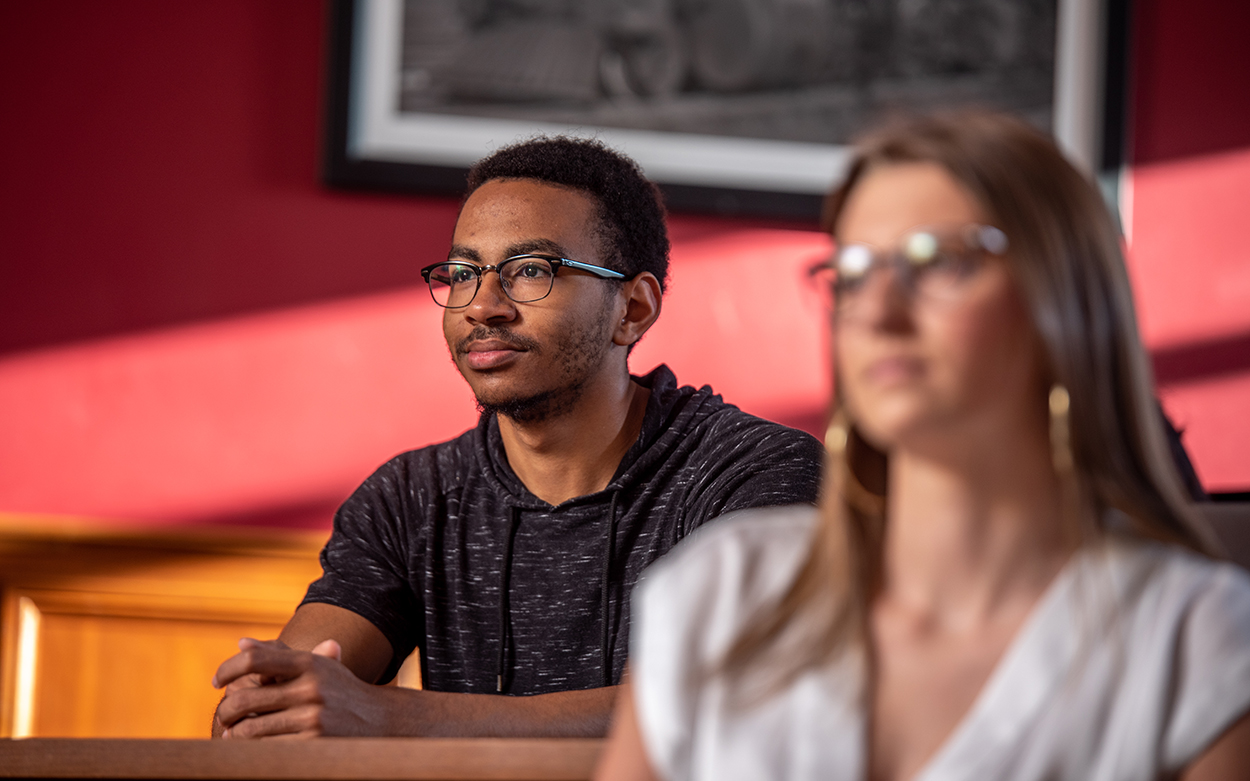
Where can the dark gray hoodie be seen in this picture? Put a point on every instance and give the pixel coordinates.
(445, 548)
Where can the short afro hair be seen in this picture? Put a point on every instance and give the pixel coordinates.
(632, 232)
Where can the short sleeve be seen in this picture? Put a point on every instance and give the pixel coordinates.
(1213, 675)
(661, 667)
(690, 606)
(747, 462)
(365, 563)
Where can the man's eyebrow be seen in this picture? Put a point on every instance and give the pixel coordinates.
(544, 246)
(530, 246)
(464, 253)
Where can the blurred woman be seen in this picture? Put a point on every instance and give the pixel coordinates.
(1005, 579)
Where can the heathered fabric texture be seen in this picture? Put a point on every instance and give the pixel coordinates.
(421, 548)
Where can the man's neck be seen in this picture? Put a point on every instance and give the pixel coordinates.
(577, 452)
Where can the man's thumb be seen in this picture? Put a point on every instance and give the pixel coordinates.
(330, 648)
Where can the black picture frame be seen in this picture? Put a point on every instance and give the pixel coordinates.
(1096, 138)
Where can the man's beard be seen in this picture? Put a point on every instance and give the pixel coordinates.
(542, 406)
(581, 353)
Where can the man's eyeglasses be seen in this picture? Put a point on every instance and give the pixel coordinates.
(931, 263)
(524, 278)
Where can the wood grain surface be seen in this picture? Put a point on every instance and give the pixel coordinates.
(326, 758)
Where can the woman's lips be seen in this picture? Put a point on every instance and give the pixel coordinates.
(891, 371)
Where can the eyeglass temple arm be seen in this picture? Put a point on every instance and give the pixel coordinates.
(597, 270)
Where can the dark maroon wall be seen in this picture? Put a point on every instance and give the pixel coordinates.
(158, 164)
(1192, 78)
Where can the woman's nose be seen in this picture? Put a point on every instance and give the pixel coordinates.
(885, 299)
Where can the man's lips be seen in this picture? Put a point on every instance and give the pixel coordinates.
(490, 353)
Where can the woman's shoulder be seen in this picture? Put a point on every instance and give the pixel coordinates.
(1186, 618)
(761, 528)
(1186, 577)
(748, 549)
(714, 580)
(1172, 589)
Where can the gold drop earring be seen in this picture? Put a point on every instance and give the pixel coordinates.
(1060, 430)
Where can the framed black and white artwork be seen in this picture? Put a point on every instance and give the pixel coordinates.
(732, 106)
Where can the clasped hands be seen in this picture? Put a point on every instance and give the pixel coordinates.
(273, 689)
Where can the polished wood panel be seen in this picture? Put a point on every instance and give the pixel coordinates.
(116, 633)
(325, 758)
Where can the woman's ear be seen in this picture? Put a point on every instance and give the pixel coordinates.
(642, 296)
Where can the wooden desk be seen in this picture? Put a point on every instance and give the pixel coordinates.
(312, 760)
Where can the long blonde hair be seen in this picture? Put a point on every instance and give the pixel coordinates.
(1065, 259)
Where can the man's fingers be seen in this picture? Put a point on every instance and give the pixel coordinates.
(220, 680)
(267, 660)
(272, 690)
(301, 721)
(251, 642)
(244, 682)
(248, 703)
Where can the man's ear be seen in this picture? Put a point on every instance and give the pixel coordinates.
(642, 298)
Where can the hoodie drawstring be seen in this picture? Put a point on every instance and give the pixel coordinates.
(505, 571)
(607, 581)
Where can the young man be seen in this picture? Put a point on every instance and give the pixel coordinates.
(507, 554)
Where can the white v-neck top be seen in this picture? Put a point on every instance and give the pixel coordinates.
(1134, 660)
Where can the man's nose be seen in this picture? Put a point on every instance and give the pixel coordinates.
(491, 302)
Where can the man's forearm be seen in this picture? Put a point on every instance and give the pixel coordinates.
(273, 689)
(389, 711)
(574, 714)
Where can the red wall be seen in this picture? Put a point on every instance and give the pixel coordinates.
(1187, 199)
(1191, 74)
(192, 328)
(159, 165)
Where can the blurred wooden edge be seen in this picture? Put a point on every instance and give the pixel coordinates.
(18, 529)
(423, 759)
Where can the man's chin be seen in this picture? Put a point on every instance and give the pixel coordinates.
(534, 408)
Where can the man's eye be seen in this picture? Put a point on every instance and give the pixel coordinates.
(533, 271)
(460, 274)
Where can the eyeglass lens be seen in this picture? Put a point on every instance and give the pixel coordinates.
(523, 279)
(927, 263)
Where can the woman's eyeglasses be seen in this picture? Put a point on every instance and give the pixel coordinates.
(929, 263)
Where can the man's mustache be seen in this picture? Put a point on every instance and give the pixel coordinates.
(484, 333)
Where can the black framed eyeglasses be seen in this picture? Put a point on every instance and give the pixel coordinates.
(931, 263)
(524, 278)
